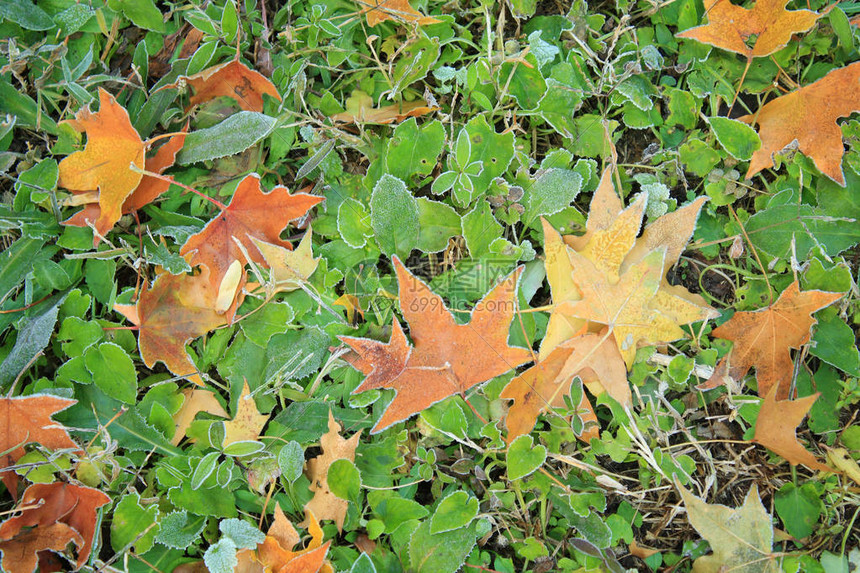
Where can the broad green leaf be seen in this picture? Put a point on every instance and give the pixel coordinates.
(73, 18)
(179, 529)
(37, 326)
(799, 508)
(16, 262)
(78, 335)
(414, 150)
(438, 223)
(456, 510)
(344, 480)
(772, 230)
(244, 448)
(737, 138)
(241, 533)
(834, 342)
(142, 13)
(36, 184)
(25, 14)
(23, 107)
(353, 223)
(112, 371)
(480, 229)
(270, 320)
(130, 520)
(524, 458)
(233, 135)
(221, 557)
(363, 564)
(552, 191)
(291, 460)
(589, 135)
(494, 150)
(204, 469)
(440, 552)
(394, 511)
(394, 216)
(525, 84)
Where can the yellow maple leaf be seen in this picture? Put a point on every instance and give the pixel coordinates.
(248, 421)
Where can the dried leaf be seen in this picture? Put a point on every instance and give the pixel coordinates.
(248, 421)
(232, 79)
(360, 109)
(775, 428)
(399, 10)
(21, 552)
(44, 505)
(732, 27)
(251, 214)
(808, 116)
(196, 401)
(175, 310)
(741, 539)
(289, 269)
(763, 338)
(593, 357)
(325, 504)
(146, 192)
(25, 420)
(113, 146)
(447, 358)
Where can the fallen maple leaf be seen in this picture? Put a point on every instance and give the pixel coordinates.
(775, 429)
(763, 338)
(47, 504)
(447, 358)
(610, 243)
(145, 193)
(24, 551)
(175, 310)
(593, 357)
(808, 116)
(113, 146)
(248, 421)
(232, 79)
(289, 270)
(325, 504)
(195, 401)
(741, 539)
(732, 27)
(251, 214)
(359, 109)
(25, 420)
(381, 10)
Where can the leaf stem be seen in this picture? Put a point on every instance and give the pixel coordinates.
(755, 254)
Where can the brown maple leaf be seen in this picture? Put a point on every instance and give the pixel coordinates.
(46, 504)
(763, 338)
(145, 193)
(325, 504)
(447, 358)
(251, 214)
(25, 551)
(113, 146)
(359, 109)
(25, 420)
(732, 27)
(248, 421)
(176, 309)
(232, 79)
(593, 357)
(775, 429)
(381, 10)
(808, 116)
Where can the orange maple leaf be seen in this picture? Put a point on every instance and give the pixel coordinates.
(145, 193)
(250, 214)
(731, 27)
(276, 552)
(447, 358)
(325, 504)
(775, 429)
(176, 309)
(104, 165)
(232, 79)
(592, 357)
(381, 10)
(25, 420)
(46, 504)
(763, 338)
(808, 116)
(24, 551)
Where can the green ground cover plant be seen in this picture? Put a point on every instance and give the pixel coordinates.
(390, 286)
